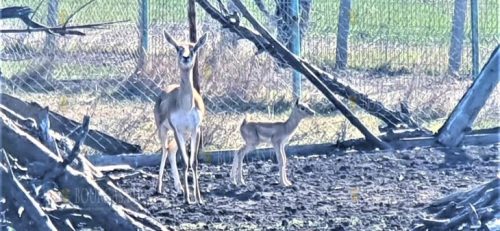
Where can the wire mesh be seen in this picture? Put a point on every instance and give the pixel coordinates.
(398, 52)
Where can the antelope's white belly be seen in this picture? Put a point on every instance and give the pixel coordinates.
(186, 121)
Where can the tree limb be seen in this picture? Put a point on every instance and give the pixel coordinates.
(264, 43)
(13, 190)
(80, 189)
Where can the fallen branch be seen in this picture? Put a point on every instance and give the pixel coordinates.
(138, 160)
(218, 157)
(40, 169)
(23, 12)
(62, 30)
(80, 189)
(97, 140)
(59, 169)
(14, 191)
(43, 131)
(27, 124)
(473, 208)
(275, 49)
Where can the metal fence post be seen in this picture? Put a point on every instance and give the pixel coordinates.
(52, 16)
(143, 28)
(475, 37)
(342, 52)
(296, 45)
(457, 37)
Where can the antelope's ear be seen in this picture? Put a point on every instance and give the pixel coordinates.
(200, 43)
(170, 40)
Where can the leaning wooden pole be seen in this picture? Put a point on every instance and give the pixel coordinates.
(289, 57)
(193, 38)
(462, 117)
(375, 108)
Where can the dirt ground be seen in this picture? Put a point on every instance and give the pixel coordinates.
(342, 191)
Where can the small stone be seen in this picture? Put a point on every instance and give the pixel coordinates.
(258, 165)
(218, 176)
(405, 156)
(307, 168)
(257, 196)
(343, 168)
(291, 209)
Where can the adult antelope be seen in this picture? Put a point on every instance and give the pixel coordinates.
(180, 109)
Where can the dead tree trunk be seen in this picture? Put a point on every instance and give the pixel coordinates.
(85, 166)
(80, 189)
(97, 140)
(462, 117)
(14, 191)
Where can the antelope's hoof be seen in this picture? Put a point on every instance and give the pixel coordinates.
(179, 189)
(190, 202)
(286, 184)
(157, 193)
(242, 182)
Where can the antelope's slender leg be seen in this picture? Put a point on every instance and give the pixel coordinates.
(241, 156)
(192, 158)
(197, 192)
(285, 164)
(181, 143)
(280, 162)
(234, 168)
(163, 139)
(172, 158)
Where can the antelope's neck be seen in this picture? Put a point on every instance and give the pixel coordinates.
(186, 97)
(293, 122)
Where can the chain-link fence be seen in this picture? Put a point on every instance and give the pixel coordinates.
(398, 51)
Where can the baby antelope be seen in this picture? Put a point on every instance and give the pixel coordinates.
(276, 133)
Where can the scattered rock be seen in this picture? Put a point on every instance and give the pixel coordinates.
(386, 186)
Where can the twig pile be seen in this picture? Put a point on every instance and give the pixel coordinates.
(472, 209)
(50, 187)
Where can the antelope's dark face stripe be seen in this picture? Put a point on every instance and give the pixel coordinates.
(186, 51)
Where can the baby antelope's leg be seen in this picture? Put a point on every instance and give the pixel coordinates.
(237, 169)
(285, 165)
(241, 156)
(234, 169)
(281, 165)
